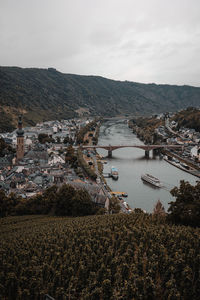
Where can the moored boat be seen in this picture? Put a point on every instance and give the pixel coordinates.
(124, 195)
(114, 173)
(151, 179)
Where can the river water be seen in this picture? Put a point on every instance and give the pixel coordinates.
(131, 164)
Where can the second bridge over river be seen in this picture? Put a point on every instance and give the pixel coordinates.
(146, 148)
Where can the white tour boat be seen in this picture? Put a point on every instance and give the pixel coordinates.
(151, 179)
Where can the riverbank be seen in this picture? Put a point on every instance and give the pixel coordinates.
(177, 165)
(93, 163)
(116, 196)
(195, 171)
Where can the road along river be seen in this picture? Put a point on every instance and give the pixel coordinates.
(131, 164)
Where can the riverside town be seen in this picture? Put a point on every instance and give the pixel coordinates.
(43, 156)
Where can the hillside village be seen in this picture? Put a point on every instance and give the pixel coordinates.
(187, 137)
(43, 164)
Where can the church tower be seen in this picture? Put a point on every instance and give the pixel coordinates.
(20, 140)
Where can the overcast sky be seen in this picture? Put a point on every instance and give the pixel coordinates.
(136, 40)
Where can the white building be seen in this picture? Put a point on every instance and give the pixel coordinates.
(195, 152)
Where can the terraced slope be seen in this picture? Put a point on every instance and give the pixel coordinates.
(99, 257)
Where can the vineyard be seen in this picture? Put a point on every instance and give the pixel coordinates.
(134, 256)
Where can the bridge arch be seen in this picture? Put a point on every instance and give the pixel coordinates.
(146, 148)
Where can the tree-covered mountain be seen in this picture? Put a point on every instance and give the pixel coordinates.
(43, 94)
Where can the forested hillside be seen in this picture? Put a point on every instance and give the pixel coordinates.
(43, 94)
(134, 256)
(189, 118)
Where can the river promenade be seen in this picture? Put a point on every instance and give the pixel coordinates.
(193, 168)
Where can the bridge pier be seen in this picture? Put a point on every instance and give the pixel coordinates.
(109, 153)
(155, 138)
(156, 152)
(145, 148)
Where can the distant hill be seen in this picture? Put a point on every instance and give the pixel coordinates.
(44, 94)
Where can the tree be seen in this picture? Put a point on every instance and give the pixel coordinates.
(159, 209)
(70, 156)
(186, 209)
(57, 139)
(3, 204)
(95, 140)
(2, 146)
(5, 148)
(42, 137)
(70, 202)
(138, 211)
(82, 204)
(64, 201)
(45, 138)
(107, 289)
(114, 206)
(12, 202)
(68, 140)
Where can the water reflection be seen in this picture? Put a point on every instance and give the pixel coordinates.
(150, 185)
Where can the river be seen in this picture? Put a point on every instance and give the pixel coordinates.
(131, 163)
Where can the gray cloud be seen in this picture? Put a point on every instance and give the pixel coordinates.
(145, 41)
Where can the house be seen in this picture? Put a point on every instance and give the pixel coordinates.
(94, 191)
(40, 155)
(195, 152)
(6, 161)
(55, 159)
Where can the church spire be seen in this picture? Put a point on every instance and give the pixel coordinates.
(20, 140)
(20, 131)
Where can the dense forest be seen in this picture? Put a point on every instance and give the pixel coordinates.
(44, 94)
(136, 256)
(189, 118)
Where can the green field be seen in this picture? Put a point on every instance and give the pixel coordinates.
(120, 256)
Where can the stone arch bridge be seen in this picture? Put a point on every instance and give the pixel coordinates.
(146, 148)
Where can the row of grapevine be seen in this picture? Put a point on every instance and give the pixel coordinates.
(134, 256)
